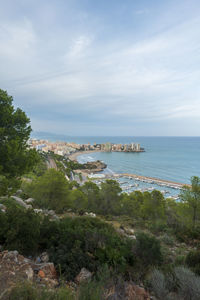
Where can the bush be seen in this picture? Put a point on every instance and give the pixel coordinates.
(27, 291)
(188, 284)
(193, 261)
(158, 284)
(147, 250)
(21, 230)
(87, 242)
(168, 240)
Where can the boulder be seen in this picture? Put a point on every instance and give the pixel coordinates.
(20, 201)
(44, 257)
(84, 275)
(29, 200)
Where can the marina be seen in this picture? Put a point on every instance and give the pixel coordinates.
(132, 182)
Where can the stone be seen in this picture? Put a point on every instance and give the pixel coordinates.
(133, 237)
(29, 200)
(38, 211)
(18, 192)
(19, 201)
(44, 257)
(51, 212)
(49, 270)
(29, 206)
(92, 215)
(84, 275)
(29, 272)
(15, 268)
(41, 274)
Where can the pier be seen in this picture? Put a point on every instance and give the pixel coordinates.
(158, 181)
(151, 180)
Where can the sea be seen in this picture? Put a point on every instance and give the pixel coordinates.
(169, 158)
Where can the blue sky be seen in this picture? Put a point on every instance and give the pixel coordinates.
(117, 67)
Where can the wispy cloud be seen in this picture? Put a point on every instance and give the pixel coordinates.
(83, 74)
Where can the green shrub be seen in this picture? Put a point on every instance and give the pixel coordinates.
(21, 230)
(188, 284)
(147, 250)
(87, 242)
(158, 284)
(92, 290)
(180, 260)
(167, 239)
(28, 291)
(193, 261)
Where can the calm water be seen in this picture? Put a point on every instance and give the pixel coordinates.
(170, 158)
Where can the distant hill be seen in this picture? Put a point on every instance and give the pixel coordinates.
(50, 136)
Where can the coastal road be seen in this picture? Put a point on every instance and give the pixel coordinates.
(51, 163)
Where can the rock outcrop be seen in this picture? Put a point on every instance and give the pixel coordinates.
(21, 202)
(128, 232)
(92, 167)
(16, 268)
(84, 275)
(126, 291)
(95, 165)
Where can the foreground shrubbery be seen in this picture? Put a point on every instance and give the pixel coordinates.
(74, 243)
(148, 210)
(27, 291)
(20, 230)
(181, 283)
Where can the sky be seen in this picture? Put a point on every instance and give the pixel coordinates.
(99, 67)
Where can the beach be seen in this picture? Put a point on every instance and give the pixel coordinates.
(73, 156)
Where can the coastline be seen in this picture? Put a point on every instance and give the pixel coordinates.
(74, 156)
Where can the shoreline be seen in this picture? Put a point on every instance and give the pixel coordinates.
(158, 181)
(74, 155)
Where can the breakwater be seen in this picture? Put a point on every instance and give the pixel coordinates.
(155, 180)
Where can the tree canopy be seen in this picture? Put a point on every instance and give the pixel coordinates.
(191, 196)
(15, 157)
